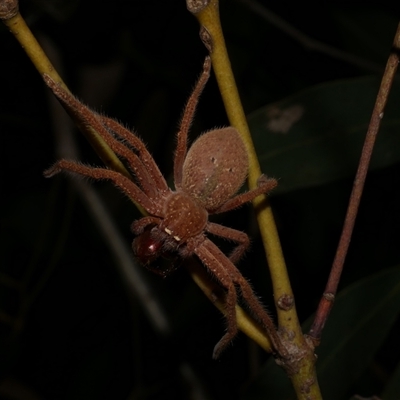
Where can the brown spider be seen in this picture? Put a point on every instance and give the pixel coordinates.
(206, 178)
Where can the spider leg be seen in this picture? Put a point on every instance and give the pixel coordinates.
(264, 186)
(121, 181)
(214, 265)
(141, 224)
(143, 175)
(140, 147)
(232, 234)
(252, 301)
(186, 121)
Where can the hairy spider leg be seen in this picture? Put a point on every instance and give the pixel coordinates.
(208, 252)
(138, 166)
(141, 224)
(210, 260)
(144, 155)
(120, 181)
(231, 234)
(186, 121)
(264, 185)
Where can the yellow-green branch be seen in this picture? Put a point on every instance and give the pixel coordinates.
(211, 33)
(301, 365)
(17, 26)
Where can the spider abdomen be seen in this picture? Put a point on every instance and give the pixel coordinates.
(215, 167)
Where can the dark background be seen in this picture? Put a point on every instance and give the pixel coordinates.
(69, 329)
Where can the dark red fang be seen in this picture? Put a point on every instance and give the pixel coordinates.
(146, 248)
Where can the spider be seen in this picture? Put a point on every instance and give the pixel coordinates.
(206, 177)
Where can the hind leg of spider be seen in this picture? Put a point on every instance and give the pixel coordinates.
(223, 277)
(264, 185)
(255, 307)
(231, 234)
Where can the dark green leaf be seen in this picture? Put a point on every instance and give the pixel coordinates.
(316, 136)
(392, 389)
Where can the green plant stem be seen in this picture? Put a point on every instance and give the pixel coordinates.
(301, 366)
(210, 25)
(17, 26)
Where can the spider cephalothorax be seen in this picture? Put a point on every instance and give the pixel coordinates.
(207, 178)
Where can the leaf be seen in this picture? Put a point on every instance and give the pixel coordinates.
(359, 322)
(392, 389)
(316, 136)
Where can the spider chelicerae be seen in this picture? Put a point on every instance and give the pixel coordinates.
(206, 177)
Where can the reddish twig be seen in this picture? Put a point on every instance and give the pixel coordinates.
(328, 297)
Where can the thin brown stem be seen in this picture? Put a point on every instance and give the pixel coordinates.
(328, 297)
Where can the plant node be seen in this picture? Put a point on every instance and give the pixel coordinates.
(195, 6)
(8, 9)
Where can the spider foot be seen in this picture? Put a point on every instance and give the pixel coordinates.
(53, 170)
(266, 183)
(225, 341)
(141, 224)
